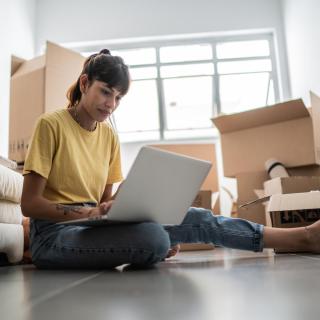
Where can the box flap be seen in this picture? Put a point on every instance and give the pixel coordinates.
(293, 184)
(315, 104)
(59, 57)
(30, 66)
(63, 67)
(294, 201)
(280, 112)
(16, 62)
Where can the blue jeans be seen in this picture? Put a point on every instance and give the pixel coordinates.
(200, 225)
(139, 244)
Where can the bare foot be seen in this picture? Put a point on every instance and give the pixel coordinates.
(313, 234)
(173, 251)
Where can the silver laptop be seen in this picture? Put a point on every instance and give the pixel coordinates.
(160, 187)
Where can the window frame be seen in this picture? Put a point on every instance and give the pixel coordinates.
(213, 41)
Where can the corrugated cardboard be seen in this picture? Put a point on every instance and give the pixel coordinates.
(294, 209)
(38, 86)
(284, 131)
(291, 185)
(249, 182)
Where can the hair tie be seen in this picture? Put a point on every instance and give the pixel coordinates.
(105, 51)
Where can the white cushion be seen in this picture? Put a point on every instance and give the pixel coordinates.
(10, 212)
(11, 183)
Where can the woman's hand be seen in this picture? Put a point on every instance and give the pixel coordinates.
(101, 209)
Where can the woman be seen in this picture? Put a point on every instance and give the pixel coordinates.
(72, 163)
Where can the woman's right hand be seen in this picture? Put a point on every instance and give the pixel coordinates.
(101, 209)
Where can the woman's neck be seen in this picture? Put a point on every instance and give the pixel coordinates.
(82, 117)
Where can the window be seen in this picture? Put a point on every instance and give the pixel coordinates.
(178, 87)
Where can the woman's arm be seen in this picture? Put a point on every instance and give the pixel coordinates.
(107, 194)
(34, 205)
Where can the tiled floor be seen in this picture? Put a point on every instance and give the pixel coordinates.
(218, 284)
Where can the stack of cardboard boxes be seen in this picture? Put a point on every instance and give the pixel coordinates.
(288, 132)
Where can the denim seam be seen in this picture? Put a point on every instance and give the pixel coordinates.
(257, 243)
(118, 249)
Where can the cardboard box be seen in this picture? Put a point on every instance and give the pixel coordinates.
(284, 131)
(246, 185)
(291, 185)
(38, 86)
(294, 209)
(302, 179)
(203, 199)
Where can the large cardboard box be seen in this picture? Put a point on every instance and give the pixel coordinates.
(284, 131)
(38, 86)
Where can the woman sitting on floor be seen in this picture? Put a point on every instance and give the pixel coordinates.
(72, 163)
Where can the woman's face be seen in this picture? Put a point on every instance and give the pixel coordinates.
(99, 99)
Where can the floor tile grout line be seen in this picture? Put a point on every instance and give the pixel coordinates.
(305, 256)
(59, 291)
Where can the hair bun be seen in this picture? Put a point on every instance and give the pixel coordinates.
(105, 51)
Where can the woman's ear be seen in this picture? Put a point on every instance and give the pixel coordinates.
(84, 83)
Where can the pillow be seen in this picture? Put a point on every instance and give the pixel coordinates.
(11, 183)
(10, 212)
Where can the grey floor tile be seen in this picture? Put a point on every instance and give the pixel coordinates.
(218, 284)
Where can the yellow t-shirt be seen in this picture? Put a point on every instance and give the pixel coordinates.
(77, 163)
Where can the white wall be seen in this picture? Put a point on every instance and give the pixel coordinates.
(17, 29)
(302, 29)
(81, 20)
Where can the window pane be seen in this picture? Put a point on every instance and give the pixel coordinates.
(139, 109)
(243, 92)
(186, 53)
(137, 56)
(187, 70)
(244, 66)
(188, 102)
(143, 73)
(271, 98)
(241, 49)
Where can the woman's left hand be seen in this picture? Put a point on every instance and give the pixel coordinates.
(105, 207)
(101, 209)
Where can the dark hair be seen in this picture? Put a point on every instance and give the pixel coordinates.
(103, 67)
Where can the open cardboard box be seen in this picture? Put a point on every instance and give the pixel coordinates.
(294, 209)
(38, 86)
(284, 131)
(302, 179)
